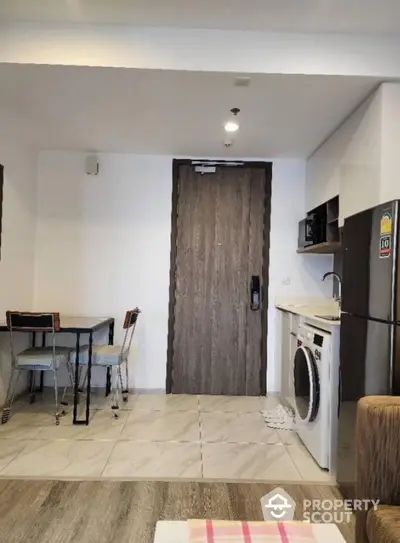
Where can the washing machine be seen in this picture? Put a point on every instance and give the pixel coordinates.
(313, 388)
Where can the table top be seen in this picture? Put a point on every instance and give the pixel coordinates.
(69, 323)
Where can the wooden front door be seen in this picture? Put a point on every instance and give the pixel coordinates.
(217, 344)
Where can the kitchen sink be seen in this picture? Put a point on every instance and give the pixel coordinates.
(329, 317)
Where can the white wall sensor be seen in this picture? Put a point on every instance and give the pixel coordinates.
(91, 165)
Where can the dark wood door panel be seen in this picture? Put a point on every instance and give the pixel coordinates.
(216, 338)
(230, 284)
(255, 245)
(194, 270)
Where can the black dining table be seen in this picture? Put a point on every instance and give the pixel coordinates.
(80, 326)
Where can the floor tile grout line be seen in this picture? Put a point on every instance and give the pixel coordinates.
(294, 463)
(108, 459)
(124, 424)
(201, 442)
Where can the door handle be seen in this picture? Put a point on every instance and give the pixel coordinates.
(255, 293)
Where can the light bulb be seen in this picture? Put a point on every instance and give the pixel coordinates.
(231, 126)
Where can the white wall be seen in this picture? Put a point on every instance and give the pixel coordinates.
(290, 274)
(103, 246)
(17, 247)
(390, 183)
(108, 237)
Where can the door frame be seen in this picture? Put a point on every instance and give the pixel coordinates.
(267, 167)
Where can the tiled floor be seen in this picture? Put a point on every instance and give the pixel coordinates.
(162, 437)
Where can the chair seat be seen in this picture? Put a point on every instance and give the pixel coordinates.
(41, 358)
(102, 355)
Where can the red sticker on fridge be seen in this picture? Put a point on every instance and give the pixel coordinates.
(385, 247)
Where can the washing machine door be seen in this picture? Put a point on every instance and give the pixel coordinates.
(306, 384)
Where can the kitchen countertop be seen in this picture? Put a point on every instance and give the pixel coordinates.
(311, 311)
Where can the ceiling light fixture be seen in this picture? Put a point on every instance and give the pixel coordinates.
(233, 124)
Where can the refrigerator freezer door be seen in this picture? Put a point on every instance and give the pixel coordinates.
(370, 241)
(367, 354)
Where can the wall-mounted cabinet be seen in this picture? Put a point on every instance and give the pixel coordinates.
(323, 172)
(322, 229)
(361, 162)
(348, 164)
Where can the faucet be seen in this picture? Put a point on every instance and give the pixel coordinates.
(339, 280)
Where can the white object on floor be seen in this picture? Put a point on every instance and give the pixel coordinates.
(177, 531)
(172, 531)
(279, 418)
(313, 376)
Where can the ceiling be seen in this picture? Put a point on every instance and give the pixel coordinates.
(366, 16)
(167, 112)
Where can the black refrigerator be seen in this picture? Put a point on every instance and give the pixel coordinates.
(370, 323)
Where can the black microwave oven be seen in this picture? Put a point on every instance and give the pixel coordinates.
(312, 231)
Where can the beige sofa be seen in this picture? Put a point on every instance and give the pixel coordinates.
(378, 468)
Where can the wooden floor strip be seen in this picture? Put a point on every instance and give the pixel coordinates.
(127, 512)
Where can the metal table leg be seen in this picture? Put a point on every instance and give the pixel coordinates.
(89, 378)
(108, 381)
(41, 386)
(76, 384)
(110, 342)
(32, 381)
(32, 387)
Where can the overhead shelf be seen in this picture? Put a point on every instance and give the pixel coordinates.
(328, 223)
(327, 248)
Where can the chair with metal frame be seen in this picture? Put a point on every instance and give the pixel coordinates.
(35, 358)
(114, 356)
